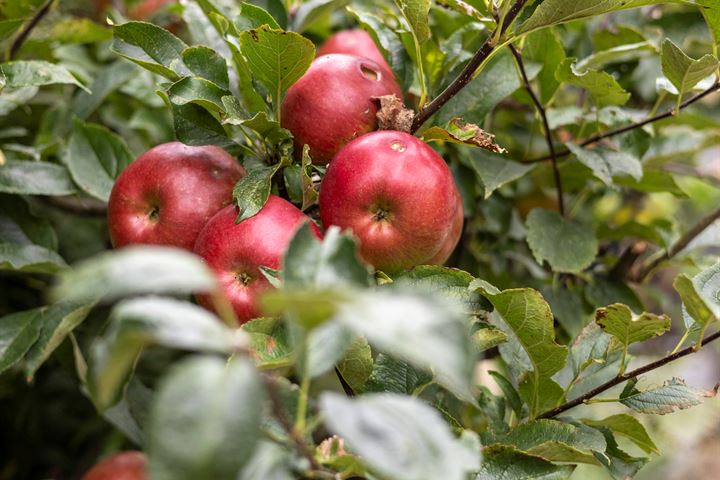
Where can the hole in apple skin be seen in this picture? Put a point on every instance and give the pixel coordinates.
(370, 73)
(398, 146)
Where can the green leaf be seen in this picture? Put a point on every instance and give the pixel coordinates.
(269, 342)
(553, 440)
(18, 332)
(601, 86)
(30, 259)
(672, 396)
(312, 13)
(620, 322)
(629, 427)
(398, 437)
(326, 346)
(566, 245)
(699, 296)
(555, 12)
(107, 81)
(310, 194)
(35, 178)
(683, 71)
(138, 323)
(498, 80)
(30, 73)
(424, 330)
(269, 130)
(95, 157)
(356, 365)
(416, 13)
(276, 58)
(511, 394)
(495, 170)
(56, 321)
(21, 225)
(135, 271)
(395, 376)
(501, 462)
(199, 91)
(196, 126)
(450, 283)
(527, 315)
(10, 26)
(607, 164)
(488, 337)
(619, 464)
(251, 16)
(206, 63)
(205, 420)
(151, 47)
(252, 191)
(332, 262)
(544, 47)
(269, 460)
(711, 12)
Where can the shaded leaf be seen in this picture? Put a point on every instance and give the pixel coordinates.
(151, 47)
(395, 376)
(629, 427)
(18, 332)
(398, 437)
(356, 365)
(252, 191)
(135, 271)
(502, 462)
(602, 86)
(672, 396)
(30, 73)
(566, 245)
(95, 157)
(30, 259)
(35, 178)
(607, 164)
(212, 432)
(495, 170)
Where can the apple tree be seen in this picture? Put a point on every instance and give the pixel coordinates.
(336, 239)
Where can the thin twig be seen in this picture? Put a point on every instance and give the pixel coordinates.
(625, 377)
(546, 127)
(279, 414)
(25, 32)
(632, 126)
(467, 73)
(677, 247)
(346, 386)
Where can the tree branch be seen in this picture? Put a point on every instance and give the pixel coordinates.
(625, 377)
(546, 127)
(467, 73)
(627, 259)
(25, 32)
(279, 414)
(677, 247)
(633, 126)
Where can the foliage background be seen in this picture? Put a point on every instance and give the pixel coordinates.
(51, 427)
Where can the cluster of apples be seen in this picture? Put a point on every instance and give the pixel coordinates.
(393, 191)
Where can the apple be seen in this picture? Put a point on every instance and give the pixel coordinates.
(167, 195)
(121, 466)
(354, 42)
(235, 251)
(333, 103)
(398, 197)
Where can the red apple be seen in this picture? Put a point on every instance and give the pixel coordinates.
(396, 194)
(333, 103)
(354, 42)
(236, 251)
(167, 195)
(121, 466)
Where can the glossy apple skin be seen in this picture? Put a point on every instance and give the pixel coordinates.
(121, 466)
(236, 251)
(333, 103)
(167, 195)
(396, 194)
(354, 42)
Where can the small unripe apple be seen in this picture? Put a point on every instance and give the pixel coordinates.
(236, 251)
(333, 103)
(354, 42)
(397, 195)
(167, 195)
(121, 466)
